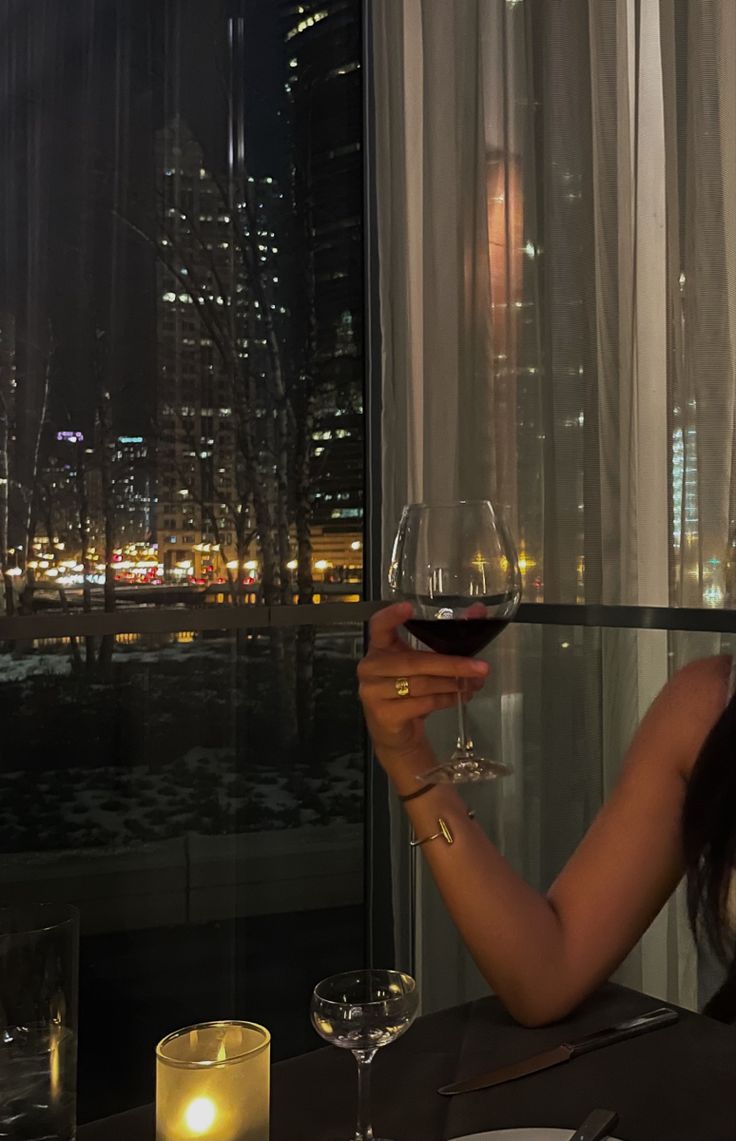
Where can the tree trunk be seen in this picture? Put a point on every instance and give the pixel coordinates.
(4, 507)
(283, 656)
(305, 688)
(303, 510)
(32, 488)
(270, 579)
(107, 643)
(83, 504)
(303, 398)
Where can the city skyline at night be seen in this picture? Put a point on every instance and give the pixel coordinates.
(240, 452)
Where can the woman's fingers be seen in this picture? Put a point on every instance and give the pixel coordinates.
(394, 716)
(386, 689)
(410, 663)
(385, 624)
(399, 713)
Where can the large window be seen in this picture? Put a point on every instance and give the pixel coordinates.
(181, 304)
(181, 460)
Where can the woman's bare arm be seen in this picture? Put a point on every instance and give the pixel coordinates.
(543, 954)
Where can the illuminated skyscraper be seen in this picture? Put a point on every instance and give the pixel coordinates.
(63, 494)
(202, 501)
(132, 489)
(322, 40)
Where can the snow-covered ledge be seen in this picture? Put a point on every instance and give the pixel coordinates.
(195, 878)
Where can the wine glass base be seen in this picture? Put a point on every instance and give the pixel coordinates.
(465, 769)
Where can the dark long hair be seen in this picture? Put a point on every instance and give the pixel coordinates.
(709, 839)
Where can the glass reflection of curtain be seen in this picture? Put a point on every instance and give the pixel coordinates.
(558, 309)
(700, 80)
(66, 272)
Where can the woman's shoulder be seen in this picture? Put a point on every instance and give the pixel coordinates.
(694, 699)
(705, 680)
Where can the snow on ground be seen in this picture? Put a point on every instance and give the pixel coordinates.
(179, 785)
(205, 791)
(14, 669)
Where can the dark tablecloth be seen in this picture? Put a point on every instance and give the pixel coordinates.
(676, 1084)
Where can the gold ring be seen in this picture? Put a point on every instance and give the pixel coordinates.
(402, 686)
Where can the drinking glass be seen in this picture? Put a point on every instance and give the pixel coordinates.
(39, 957)
(362, 1011)
(456, 563)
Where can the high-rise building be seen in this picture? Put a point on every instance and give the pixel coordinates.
(65, 495)
(209, 324)
(132, 490)
(322, 41)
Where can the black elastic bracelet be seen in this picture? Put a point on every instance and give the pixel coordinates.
(419, 792)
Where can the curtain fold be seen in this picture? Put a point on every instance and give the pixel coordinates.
(557, 248)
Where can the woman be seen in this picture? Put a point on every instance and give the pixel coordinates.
(673, 811)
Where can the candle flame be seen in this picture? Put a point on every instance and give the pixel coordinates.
(200, 1115)
(55, 1063)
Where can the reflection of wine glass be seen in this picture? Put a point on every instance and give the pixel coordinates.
(456, 563)
(362, 1011)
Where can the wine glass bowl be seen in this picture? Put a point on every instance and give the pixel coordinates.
(362, 1011)
(457, 565)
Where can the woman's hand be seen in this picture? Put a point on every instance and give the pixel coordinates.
(396, 723)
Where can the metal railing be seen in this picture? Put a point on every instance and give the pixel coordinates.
(149, 620)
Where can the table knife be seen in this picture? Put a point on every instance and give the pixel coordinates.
(652, 1020)
(597, 1126)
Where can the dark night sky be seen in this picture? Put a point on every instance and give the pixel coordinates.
(84, 88)
(265, 74)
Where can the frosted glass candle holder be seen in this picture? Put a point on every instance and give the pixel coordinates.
(212, 1083)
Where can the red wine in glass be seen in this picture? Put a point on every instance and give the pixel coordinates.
(464, 637)
(456, 563)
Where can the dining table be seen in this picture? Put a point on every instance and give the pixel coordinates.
(673, 1084)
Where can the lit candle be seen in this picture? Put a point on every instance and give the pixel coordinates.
(212, 1083)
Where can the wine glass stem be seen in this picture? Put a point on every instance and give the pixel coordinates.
(363, 1129)
(464, 745)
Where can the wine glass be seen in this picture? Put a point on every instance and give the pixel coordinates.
(362, 1011)
(456, 563)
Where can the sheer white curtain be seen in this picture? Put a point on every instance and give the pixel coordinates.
(558, 266)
